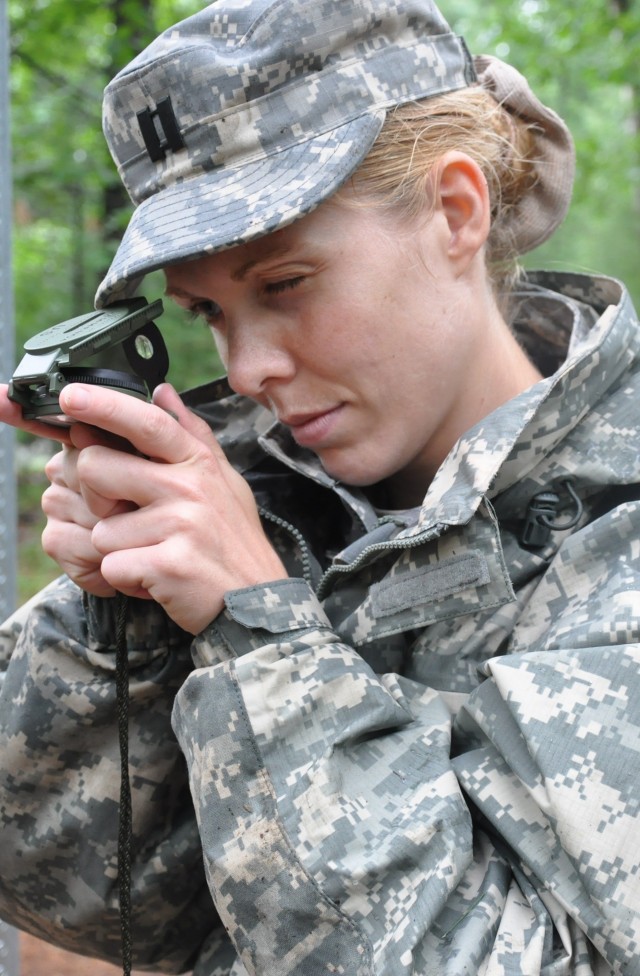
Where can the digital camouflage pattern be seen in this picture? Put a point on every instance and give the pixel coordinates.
(247, 115)
(237, 73)
(420, 756)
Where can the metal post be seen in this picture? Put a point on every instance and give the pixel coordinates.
(8, 950)
(8, 935)
(7, 328)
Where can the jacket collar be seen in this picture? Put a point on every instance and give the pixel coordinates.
(581, 331)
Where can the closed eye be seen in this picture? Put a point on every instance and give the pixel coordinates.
(274, 287)
(210, 312)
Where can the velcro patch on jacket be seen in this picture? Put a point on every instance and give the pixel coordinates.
(430, 583)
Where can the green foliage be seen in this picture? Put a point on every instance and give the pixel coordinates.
(63, 54)
(583, 60)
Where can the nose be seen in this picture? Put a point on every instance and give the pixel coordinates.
(257, 355)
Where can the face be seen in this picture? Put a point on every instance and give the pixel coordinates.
(353, 329)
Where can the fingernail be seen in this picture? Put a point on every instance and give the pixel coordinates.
(75, 399)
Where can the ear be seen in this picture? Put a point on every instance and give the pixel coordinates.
(462, 196)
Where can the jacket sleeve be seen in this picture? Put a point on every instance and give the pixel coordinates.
(554, 756)
(60, 782)
(332, 824)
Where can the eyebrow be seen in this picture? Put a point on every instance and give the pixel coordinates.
(176, 293)
(240, 273)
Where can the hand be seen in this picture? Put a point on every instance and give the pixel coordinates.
(67, 535)
(173, 523)
(11, 413)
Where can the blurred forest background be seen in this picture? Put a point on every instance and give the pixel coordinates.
(582, 58)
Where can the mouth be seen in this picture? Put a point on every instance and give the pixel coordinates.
(310, 429)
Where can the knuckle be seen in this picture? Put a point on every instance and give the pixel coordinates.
(48, 500)
(153, 425)
(85, 463)
(88, 470)
(54, 466)
(45, 540)
(115, 570)
(50, 540)
(98, 540)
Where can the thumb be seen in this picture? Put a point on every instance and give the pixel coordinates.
(166, 397)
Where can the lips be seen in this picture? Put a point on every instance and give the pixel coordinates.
(311, 429)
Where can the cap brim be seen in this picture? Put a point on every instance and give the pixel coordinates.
(224, 207)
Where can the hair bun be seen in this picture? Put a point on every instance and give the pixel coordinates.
(534, 218)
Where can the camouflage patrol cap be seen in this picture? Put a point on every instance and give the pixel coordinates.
(248, 114)
(245, 116)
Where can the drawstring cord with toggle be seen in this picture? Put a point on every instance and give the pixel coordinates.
(541, 517)
(124, 822)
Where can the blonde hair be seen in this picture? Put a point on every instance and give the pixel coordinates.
(396, 171)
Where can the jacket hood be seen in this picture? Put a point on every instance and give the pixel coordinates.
(575, 422)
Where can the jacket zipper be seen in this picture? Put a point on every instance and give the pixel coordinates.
(390, 544)
(297, 536)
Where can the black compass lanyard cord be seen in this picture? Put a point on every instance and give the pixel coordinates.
(124, 825)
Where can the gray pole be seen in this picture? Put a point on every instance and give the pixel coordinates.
(8, 935)
(7, 474)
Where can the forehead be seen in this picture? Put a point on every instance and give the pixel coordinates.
(326, 224)
(235, 262)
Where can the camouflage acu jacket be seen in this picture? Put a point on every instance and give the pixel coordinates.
(419, 755)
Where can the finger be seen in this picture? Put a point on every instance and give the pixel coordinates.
(83, 566)
(122, 571)
(54, 469)
(70, 468)
(143, 528)
(153, 573)
(65, 506)
(61, 468)
(70, 544)
(166, 397)
(111, 481)
(11, 413)
(82, 436)
(150, 429)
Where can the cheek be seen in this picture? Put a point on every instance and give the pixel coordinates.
(346, 334)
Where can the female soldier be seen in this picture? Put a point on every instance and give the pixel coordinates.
(392, 605)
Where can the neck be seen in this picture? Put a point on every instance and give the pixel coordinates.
(501, 372)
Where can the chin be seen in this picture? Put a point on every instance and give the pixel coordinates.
(354, 475)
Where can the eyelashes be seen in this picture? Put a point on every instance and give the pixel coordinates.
(210, 312)
(274, 287)
(207, 312)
